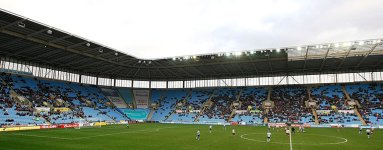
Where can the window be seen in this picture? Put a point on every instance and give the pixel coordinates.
(190, 84)
(88, 79)
(175, 84)
(105, 82)
(124, 83)
(141, 84)
(252, 81)
(157, 84)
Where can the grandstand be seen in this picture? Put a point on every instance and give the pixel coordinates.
(58, 79)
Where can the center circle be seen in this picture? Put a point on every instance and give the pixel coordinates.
(340, 140)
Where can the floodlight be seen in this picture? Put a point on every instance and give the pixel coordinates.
(174, 58)
(87, 44)
(347, 44)
(278, 50)
(49, 31)
(186, 57)
(116, 54)
(299, 48)
(21, 24)
(194, 57)
(237, 53)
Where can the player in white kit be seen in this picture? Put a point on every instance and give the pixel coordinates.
(360, 129)
(287, 131)
(368, 131)
(268, 136)
(198, 135)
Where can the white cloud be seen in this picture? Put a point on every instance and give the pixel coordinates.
(166, 28)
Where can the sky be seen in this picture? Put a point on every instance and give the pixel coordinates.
(152, 29)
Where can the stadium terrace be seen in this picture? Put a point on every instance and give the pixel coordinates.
(61, 90)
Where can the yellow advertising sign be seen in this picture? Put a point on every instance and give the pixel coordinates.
(62, 109)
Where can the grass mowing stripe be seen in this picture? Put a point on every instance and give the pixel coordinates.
(182, 137)
(88, 137)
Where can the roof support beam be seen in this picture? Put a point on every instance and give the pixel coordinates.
(199, 71)
(226, 62)
(60, 47)
(75, 45)
(162, 74)
(254, 65)
(10, 42)
(270, 65)
(240, 69)
(113, 70)
(27, 49)
(38, 32)
(93, 49)
(90, 64)
(344, 58)
(324, 59)
(59, 39)
(11, 24)
(167, 70)
(187, 73)
(227, 71)
(76, 62)
(62, 58)
(98, 68)
(366, 55)
(307, 52)
(48, 53)
(34, 58)
(175, 74)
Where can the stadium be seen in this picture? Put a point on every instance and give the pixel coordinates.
(62, 91)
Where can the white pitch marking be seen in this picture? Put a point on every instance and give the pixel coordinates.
(344, 140)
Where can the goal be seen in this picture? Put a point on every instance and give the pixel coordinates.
(83, 123)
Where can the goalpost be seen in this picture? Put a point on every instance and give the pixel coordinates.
(82, 123)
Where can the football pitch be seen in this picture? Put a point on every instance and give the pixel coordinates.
(172, 136)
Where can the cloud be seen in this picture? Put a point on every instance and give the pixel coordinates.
(156, 29)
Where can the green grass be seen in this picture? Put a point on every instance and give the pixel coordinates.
(168, 136)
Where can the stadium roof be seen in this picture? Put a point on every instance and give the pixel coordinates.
(28, 40)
